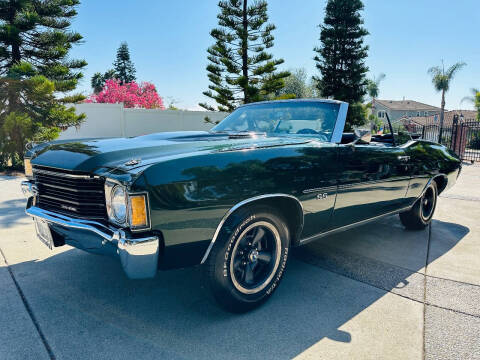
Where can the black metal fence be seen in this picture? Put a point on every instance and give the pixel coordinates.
(469, 137)
(463, 137)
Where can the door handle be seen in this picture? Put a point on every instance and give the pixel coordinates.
(403, 158)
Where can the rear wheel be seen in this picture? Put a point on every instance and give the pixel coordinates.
(248, 259)
(420, 215)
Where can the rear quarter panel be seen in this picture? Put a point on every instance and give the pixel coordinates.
(428, 160)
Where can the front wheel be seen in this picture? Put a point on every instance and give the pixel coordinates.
(420, 215)
(248, 259)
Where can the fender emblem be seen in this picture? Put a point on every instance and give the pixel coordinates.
(322, 196)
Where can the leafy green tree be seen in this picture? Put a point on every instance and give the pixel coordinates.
(298, 84)
(341, 57)
(123, 66)
(240, 69)
(36, 116)
(441, 80)
(36, 73)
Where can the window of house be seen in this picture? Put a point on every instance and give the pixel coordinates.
(381, 114)
(418, 113)
(426, 113)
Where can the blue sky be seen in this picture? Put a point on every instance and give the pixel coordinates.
(168, 42)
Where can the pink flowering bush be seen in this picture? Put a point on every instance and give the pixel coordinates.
(132, 95)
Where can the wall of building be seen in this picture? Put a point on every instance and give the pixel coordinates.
(398, 114)
(113, 120)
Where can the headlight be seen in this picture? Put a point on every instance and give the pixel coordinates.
(126, 209)
(28, 168)
(118, 204)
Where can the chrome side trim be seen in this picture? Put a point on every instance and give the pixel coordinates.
(237, 206)
(322, 189)
(61, 174)
(350, 226)
(372, 182)
(340, 123)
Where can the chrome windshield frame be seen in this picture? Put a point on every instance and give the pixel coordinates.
(339, 123)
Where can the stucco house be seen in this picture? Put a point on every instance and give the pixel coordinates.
(397, 110)
(463, 115)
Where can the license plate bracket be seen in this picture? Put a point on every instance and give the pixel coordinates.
(43, 232)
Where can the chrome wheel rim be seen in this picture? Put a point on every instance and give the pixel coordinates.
(255, 257)
(428, 204)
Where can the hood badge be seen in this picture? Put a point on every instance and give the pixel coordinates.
(132, 162)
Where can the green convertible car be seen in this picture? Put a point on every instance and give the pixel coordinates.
(236, 199)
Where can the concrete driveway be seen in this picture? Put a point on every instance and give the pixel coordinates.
(375, 292)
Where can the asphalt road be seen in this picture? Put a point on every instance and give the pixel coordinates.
(375, 292)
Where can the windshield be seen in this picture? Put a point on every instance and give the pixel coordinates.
(301, 118)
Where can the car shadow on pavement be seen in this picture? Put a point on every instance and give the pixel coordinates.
(87, 308)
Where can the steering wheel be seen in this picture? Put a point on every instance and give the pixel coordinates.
(307, 131)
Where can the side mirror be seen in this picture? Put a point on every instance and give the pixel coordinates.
(363, 137)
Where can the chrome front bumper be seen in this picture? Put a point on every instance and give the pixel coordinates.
(139, 256)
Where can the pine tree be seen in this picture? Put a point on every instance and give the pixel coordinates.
(341, 57)
(35, 70)
(240, 69)
(124, 68)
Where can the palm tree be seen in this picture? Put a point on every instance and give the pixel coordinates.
(97, 82)
(373, 86)
(441, 81)
(373, 89)
(471, 99)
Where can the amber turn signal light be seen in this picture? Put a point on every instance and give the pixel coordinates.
(138, 211)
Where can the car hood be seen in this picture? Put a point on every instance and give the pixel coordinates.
(88, 155)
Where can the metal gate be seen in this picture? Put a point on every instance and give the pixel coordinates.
(469, 137)
(463, 137)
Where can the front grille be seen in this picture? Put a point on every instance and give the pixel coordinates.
(70, 193)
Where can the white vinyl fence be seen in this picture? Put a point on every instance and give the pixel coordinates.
(113, 120)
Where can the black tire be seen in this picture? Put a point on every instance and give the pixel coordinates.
(243, 271)
(420, 215)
